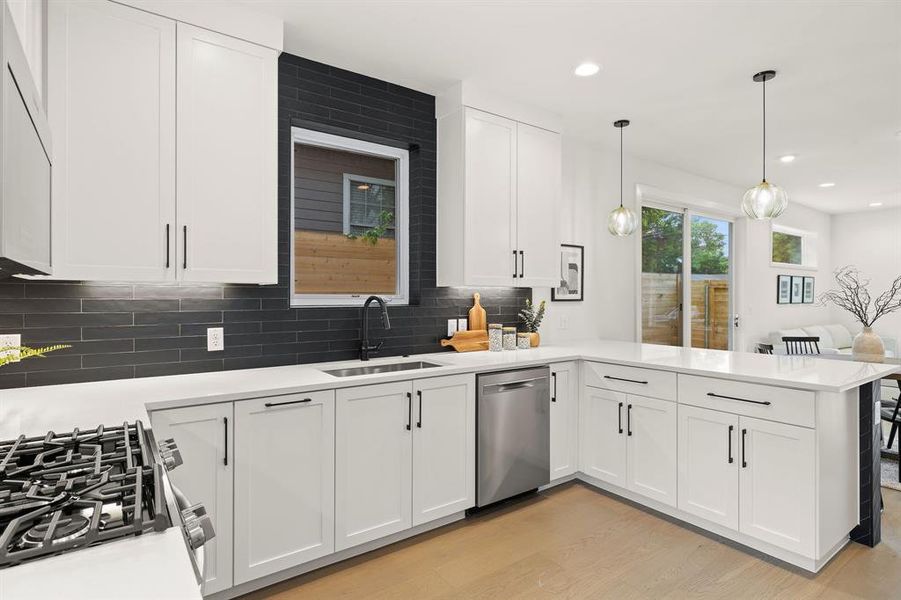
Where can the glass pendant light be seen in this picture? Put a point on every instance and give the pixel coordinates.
(622, 221)
(765, 200)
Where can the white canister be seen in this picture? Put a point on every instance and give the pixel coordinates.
(495, 337)
(523, 341)
(509, 338)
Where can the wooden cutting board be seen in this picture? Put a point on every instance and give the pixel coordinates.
(478, 319)
(468, 341)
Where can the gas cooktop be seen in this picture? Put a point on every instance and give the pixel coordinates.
(65, 491)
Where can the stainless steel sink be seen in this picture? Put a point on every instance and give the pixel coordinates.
(382, 368)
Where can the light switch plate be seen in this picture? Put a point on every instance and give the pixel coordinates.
(462, 324)
(451, 327)
(215, 339)
(564, 322)
(10, 340)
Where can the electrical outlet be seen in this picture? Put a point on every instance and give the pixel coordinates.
(564, 322)
(451, 327)
(8, 341)
(215, 339)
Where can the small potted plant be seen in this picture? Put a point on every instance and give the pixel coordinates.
(531, 318)
(853, 296)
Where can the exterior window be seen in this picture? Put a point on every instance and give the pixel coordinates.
(793, 247)
(350, 210)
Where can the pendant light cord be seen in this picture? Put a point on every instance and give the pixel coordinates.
(764, 128)
(621, 167)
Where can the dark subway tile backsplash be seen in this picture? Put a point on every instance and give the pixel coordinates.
(122, 330)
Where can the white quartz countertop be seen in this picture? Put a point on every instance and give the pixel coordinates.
(34, 411)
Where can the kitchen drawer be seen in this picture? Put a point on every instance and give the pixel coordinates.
(761, 401)
(631, 380)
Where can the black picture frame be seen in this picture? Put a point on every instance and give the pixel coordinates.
(571, 256)
(808, 294)
(797, 288)
(783, 289)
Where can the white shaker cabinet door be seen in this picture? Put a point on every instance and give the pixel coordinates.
(284, 482)
(444, 433)
(111, 83)
(708, 464)
(538, 193)
(564, 419)
(776, 483)
(490, 189)
(227, 171)
(373, 462)
(602, 415)
(651, 435)
(204, 436)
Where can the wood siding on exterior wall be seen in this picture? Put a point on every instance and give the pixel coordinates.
(332, 263)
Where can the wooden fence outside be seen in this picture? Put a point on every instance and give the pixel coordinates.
(661, 294)
(331, 263)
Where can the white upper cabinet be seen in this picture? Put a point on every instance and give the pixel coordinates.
(284, 482)
(226, 183)
(499, 188)
(118, 80)
(111, 99)
(204, 436)
(538, 190)
(444, 433)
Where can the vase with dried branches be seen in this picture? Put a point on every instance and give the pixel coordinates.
(854, 296)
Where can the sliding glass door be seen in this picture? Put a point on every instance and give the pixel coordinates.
(686, 261)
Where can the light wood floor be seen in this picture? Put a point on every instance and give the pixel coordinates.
(575, 542)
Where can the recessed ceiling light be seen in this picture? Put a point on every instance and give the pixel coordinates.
(875, 204)
(787, 158)
(587, 69)
(827, 184)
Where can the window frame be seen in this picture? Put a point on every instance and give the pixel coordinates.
(809, 252)
(401, 156)
(348, 177)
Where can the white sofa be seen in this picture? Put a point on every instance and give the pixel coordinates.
(834, 338)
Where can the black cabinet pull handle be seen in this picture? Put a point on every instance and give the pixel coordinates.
(167, 245)
(271, 404)
(409, 411)
(225, 458)
(744, 456)
(554, 395)
(184, 258)
(515, 265)
(730, 443)
(419, 421)
(629, 420)
(620, 410)
(628, 380)
(761, 402)
(522, 264)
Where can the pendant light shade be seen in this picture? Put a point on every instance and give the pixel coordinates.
(622, 221)
(765, 200)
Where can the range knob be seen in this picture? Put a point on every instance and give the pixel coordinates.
(198, 526)
(170, 454)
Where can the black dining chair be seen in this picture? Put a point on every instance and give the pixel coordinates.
(764, 348)
(891, 415)
(801, 345)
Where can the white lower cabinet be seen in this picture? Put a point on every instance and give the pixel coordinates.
(777, 484)
(443, 447)
(603, 435)
(284, 482)
(203, 434)
(373, 462)
(708, 464)
(564, 419)
(651, 448)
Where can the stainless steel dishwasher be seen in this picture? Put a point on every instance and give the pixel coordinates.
(513, 419)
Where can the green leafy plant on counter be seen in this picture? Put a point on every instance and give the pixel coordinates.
(10, 354)
(531, 317)
(372, 235)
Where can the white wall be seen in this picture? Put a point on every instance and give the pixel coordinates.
(760, 314)
(871, 241)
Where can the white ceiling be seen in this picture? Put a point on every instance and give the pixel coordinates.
(681, 71)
